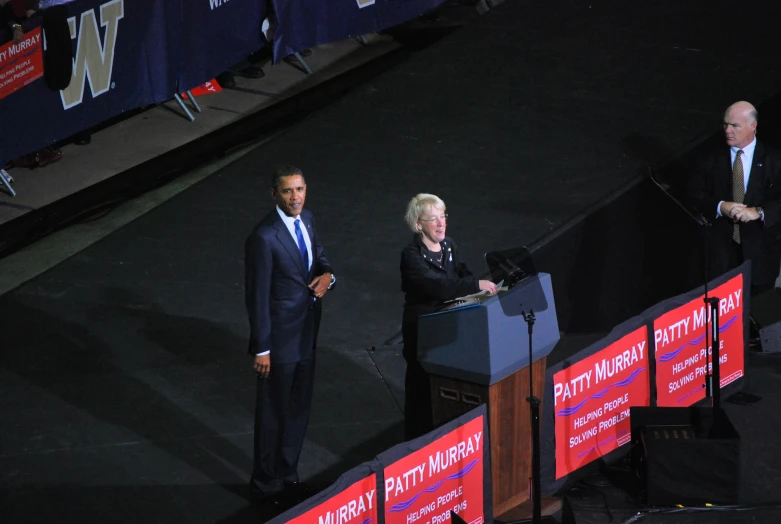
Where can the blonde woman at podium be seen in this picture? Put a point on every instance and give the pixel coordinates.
(431, 274)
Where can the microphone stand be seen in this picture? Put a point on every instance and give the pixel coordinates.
(534, 404)
(713, 379)
(713, 382)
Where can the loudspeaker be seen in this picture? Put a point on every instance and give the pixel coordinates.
(766, 312)
(688, 456)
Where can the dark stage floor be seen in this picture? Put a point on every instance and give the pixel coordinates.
(125, 391)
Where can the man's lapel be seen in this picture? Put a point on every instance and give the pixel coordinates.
(757, 174)
(729, 165)
(307, 220)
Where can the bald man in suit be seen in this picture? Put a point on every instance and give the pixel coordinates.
(738, 188)
(287, 276)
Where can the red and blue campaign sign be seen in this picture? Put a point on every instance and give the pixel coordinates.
(21, 63)
(357, 504)
(443, 476)
(592, 398)
(683, 361)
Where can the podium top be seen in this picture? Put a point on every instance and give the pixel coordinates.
(486, 339)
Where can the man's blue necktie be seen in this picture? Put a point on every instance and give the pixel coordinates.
(302, 245)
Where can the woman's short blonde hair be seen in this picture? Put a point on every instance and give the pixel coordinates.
(420, 204)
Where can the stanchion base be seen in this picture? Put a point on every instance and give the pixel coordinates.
(523, 512)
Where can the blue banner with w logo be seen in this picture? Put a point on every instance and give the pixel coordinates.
(301, 24)
(126, 55)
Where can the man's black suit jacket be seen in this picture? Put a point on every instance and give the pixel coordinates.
(712, 183)
(282, 312)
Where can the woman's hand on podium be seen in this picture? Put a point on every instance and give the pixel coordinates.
(487, 285)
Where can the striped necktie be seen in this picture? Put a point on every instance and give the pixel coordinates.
(738, 190)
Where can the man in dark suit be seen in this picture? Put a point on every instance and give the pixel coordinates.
(739, 189)
(287, 276)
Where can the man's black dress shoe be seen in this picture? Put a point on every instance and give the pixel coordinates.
(252, 72)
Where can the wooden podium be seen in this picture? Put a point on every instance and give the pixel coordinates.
(478, 353)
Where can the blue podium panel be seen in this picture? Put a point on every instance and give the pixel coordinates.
(485, 340)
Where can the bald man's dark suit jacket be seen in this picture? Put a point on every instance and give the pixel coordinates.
(284, 319)
(712, 183)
